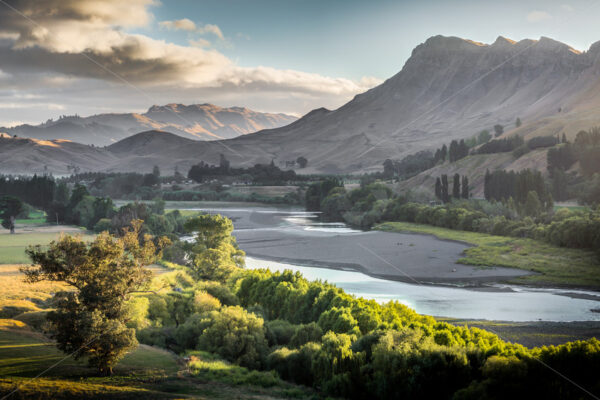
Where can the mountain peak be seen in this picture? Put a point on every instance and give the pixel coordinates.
(546, 43)
(503, 41)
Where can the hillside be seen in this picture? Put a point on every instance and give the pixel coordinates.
(474, 166)
(450, 88)
(30, 156)
(197, 121)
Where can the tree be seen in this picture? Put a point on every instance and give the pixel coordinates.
(564, 138)
(215, 254)
(444, 153)
(388, 168)
(465, 188)
(453, 152)
(445, 196)
(498, 130)
(302, 162)
(90, 320)
(483, 137)
(559, 184)
(235, 334)
(438, 188)
(456, 186)
(486, 185)
(223, 163)
(518, 122)
(10, 208)
(533, 206)
(156, 171)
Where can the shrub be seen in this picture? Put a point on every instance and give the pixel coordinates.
(234, 334)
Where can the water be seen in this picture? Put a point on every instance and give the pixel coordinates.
(491, 302)
(503, 303)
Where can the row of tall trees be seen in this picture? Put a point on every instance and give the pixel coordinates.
(504, 185)
(460, 188)
(39, 191)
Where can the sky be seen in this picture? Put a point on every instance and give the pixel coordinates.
(65, 57)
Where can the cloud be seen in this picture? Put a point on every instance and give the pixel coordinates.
(180, 24)
(190, 26)
(80, 45)
(210, 28)
(16, 105)
(538, 16)
(200, 42)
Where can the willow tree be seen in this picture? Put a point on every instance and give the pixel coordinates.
(215, 254)
(90, 319)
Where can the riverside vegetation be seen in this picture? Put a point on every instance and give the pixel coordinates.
(281, 326)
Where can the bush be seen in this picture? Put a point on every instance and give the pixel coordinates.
(235, 334)
(102, 225)
(306, 333)
(279, 332)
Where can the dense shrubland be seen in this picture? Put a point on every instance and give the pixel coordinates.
(313, 333)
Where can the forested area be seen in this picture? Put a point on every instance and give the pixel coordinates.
(259, 173)
(568, 184)
(311, 333)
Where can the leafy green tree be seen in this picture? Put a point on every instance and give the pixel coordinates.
(533, 205)
(235, 334)
(10, 207)
(215, 254)
(518, 122)
(90, 320)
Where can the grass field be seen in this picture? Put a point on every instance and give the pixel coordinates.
(36, 217)
(12, 247)
(557, 266)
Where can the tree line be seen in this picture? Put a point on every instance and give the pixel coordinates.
(259, 173)
(460, 189)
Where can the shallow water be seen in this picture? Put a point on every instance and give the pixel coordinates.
(494, 302)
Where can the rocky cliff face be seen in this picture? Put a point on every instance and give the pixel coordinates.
(450, 88)
(197, 121)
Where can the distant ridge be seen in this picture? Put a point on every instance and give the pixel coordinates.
(196, 121)
(450, 88)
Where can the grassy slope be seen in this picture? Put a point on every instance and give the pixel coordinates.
(556, 266)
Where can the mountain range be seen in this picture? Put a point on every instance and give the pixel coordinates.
(450, 88)
(196, 121)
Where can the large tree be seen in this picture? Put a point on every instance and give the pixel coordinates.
(10, 207)
(214, 254)
(90, 319)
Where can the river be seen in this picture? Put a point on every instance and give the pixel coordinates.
(417, 270)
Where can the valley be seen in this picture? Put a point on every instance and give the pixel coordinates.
(299, 200)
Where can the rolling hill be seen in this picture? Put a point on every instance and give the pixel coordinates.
(197, 121)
